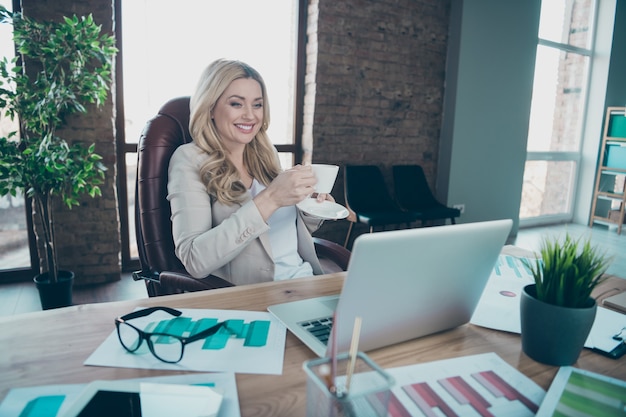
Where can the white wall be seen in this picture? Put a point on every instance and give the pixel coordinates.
(483, 146)
(489, 82)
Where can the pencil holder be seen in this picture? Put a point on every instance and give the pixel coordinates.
(364, 392)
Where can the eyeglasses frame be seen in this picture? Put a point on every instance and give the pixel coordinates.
(146, 335)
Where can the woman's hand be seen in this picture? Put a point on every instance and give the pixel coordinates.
(289, 188)
(323, 197)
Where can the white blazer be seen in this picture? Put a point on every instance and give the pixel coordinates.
(228, 241)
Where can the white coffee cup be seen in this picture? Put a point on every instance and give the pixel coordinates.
(326, 176)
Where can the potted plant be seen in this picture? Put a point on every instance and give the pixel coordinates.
(60, 68)
(557, 311)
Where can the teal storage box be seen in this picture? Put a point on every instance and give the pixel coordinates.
(617, 126)
(615, 155)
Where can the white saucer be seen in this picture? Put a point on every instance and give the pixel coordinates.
(324, 210)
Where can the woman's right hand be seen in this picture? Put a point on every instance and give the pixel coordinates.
(289, 188)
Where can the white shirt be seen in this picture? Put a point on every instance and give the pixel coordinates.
(284, 241)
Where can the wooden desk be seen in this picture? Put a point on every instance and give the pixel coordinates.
(50, 347)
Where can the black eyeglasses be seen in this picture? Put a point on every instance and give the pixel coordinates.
(165, 347)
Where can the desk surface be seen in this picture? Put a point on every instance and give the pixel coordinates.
(50, 347)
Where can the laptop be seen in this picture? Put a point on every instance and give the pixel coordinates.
(403, 284)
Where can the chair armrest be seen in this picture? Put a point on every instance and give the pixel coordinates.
(187, 283)
(332, 251)
(145, 276)
(172, 282)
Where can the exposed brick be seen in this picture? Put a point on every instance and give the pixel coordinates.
(378, 86)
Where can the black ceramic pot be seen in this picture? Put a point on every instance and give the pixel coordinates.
(57, 294)
(552, 334)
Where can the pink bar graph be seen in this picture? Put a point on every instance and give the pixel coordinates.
(465, 394)
(395, 407)
(483, 389)
(500, 388)
(426, 400)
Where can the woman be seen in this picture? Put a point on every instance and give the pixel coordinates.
(233, 209)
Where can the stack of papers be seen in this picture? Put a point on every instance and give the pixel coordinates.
(57, 400)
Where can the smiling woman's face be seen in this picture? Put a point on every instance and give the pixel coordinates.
(238, 113)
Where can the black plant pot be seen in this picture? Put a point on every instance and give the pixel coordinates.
(58, 294)
(552, 334)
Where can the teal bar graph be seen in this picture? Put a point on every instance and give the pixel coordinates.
(254, 333)
(46, 406)
(257, 333)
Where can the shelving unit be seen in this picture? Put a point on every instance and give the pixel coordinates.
(609, 196)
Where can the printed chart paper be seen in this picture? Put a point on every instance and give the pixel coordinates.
(257, 346)
(50, 400)
(498, 307)
(478, 385)
(576, 392)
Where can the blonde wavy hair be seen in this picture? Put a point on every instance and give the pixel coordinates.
(219, 174)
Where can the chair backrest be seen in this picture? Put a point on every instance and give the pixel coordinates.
(161, 136)
(366, 190)
(411, 187)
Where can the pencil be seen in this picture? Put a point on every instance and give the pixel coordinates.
(354, 349)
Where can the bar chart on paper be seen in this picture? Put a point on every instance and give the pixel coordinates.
(250, 342)
(577, 392)
(498, 307)
(512, 267)
(252, 333)
(480, 385)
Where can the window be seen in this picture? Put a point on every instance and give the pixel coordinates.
(165, 44)
(557, 110)
(15, 251)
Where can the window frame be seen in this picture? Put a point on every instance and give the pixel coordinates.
(24, 273)
(569, 156)
(130, 263)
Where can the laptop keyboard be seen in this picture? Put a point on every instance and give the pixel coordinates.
(320, 328)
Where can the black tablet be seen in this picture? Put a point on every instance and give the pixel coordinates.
(124, 399)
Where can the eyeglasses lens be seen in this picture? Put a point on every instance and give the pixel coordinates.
(167, 348)
(129, 337)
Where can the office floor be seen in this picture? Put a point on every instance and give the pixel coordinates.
(18, 298)
(606, 239)
(22, 297)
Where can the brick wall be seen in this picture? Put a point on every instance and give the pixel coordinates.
(378, 86)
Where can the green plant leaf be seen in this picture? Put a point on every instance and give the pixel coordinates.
(64, 66)
(566, 272)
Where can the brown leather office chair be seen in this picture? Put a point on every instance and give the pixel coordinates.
(160, 268)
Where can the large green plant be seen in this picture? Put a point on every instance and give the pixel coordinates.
(60, 68)
(566, 272)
